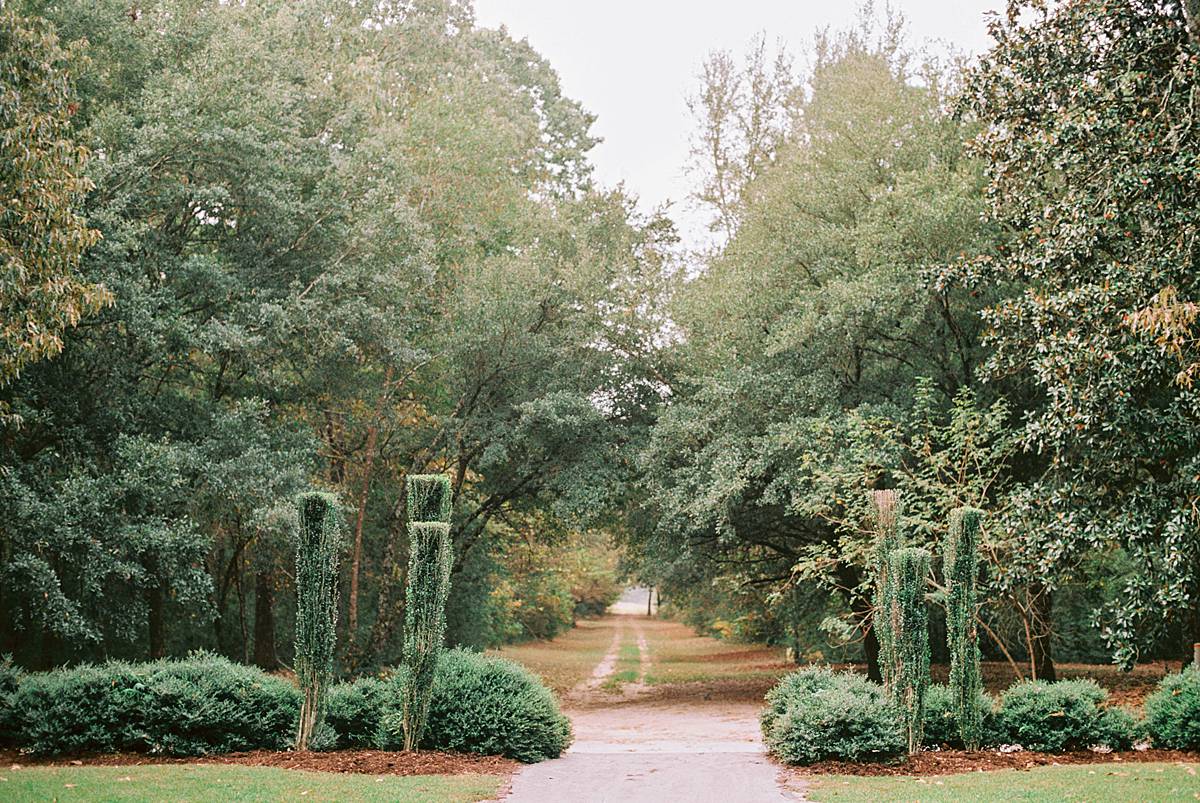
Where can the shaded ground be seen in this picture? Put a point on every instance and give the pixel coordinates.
(950, 762)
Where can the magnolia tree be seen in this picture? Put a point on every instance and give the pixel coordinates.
(318, 543)
(429, 561)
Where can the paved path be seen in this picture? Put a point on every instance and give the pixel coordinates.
(654, 751)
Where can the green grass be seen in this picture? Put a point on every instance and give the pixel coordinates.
(1093, 783)
(186, 782)
(629, 664)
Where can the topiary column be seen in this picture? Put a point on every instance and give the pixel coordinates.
(961, 570)
(429, 560)
(318, 543)
(885, 507)
(908, 569)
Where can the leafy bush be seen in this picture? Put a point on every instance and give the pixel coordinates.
(1173, 711)
(493, 706)
(10, 678)
(1067, 715)
(816, 714)
(941, 718)
(199, 705)
(354, 711)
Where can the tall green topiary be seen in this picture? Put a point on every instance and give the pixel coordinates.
(961, 568)
(908, 569)
(318, 544)
(429, 560)
(886, 512)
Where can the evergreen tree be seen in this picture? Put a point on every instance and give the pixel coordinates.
(887, 535)
(318, 542)
(961, 567)
(909, 568)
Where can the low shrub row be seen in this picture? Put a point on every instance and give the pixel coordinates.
(816, 714)
(207, 704)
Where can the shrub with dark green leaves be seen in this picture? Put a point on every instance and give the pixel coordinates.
(493, 706)
(816, 714)
(354, 711)
(1173, 711)
(10, 678)
(318, 546)
(941, 718)
(1066, 715)
(961, 569)
(202, 704)
(908, 569)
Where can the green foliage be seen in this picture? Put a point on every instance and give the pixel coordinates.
(886, 516)
(816, 714)
(1065, 715)
(909, 619)
(354, 710)
(942, 725)
(10, 679)
(1173, 711)
(961, 567)
(429, 566)
(429, 497)
(493, 706)
(199, 705)
(318, 549)
(42, 180)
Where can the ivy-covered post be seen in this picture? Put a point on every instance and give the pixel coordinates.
(885, 508)
(318, 544)
(429, 561)
(908, 569)
(961, 567)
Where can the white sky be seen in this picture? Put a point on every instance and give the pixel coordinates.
(633, 62)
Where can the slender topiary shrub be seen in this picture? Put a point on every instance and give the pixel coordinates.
(429, 561)
(816, 714)
(318, 544)
(908, 569)
(1173, 711)
(961, 567)
(1066, 715)
(886, 510)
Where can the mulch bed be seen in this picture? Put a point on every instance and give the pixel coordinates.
(950, 762)
(364, 762)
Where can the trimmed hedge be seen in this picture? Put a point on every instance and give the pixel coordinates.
(941, 718)
(1173, 711)
(195, 706)
(816, 714)
(10, 679)
(493, 706)
(354, 711)
(1066, 715)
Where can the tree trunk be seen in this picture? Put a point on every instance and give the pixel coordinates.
(154, 603)
(356, 560)
(1041, 626)
(264, 621)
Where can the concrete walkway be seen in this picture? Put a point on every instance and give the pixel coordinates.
(653, 751)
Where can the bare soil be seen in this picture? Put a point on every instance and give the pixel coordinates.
(365, 762)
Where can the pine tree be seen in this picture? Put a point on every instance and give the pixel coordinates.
(429, 561)
(318, 544)
(961, 571)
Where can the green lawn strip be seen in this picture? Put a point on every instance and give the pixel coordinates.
(1093, 783)
(629, 664)
(193, 782)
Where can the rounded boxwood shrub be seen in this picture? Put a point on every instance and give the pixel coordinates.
(10, 678)
(493, 706)
(1173, 711)
(941, 719)
(202, 704)
(1066, 715)
(354, 710)
(816, 714)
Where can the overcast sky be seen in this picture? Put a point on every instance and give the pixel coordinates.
(633, 62)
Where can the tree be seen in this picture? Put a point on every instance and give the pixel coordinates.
(318, 551)
(1066, 88)
(961, 567)
(430, 558)
(909, 621)
(42, 180)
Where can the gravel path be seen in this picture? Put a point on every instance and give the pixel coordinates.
(656, 750)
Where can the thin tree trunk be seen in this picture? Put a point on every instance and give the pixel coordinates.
(157, 627)
(265, 655)
(356, 560)
(1041, 626)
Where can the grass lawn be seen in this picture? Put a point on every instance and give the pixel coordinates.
(1094, 783)
(568, 660)
(628, 667)
(185, 782)
(682, 656)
